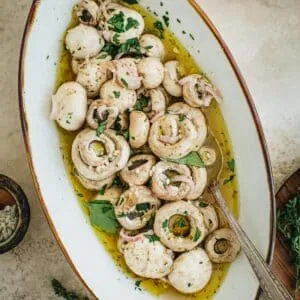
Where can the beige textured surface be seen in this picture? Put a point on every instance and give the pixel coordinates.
(264, 37)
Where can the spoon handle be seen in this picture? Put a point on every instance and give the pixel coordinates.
(273, 289)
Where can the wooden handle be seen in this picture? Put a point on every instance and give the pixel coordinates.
(273, 289)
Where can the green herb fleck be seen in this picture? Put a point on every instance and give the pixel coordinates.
(288, 223)
(192, 159)
(102, 56)
(116, 38)
(137, 285)
(160, 27)
(131, 1)
(142, 206)
(192, 37)
(197, 235)
(117, 22)
(102, 215)
(148, 47)
(141, 103)
(166, 20)
(178, 20)
(124, 82)
(203, 204)
(181, 222)
(80, 195)
(231, 165)
(181, 118)
(131, 23)
(165, 224)
(117, 94)
(101, 128)
(227, 180)
(111, 49)
(102, 191)
(152, 238)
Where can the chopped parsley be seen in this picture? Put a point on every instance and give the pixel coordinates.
(116, 38)
(141, 103)
(203, 204)
(117, 94)
(192, 37)
(117, 22)
(178, 20)
(152, 238)
(197, 235)
(131, 23)
(102, 191)
(181, 118)
(148, 47)
(124, 133)
(165, 224)
(124, 82)
(231, 165)
(131, 47)
(142, 206)
(227, 180)
(181, 222)
(137, 285)
(160, 27)
(111, 49)
(101, 128)
(166, 20)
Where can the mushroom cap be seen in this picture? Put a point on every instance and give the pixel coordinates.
(208, 155)
(199, 177)
(184, 212)
(138, 169)
(91, 76)
(148, 258)
(139, 126)
(94, 166)
(86, 11)
(171, 181)
(152, 71)
(125, 98)
(198, 91)
(69, 106)
(136, 207)
(95, 185)
(222, 246)
(84, 41)
(171, 79)
(191, 271)
(152, 46)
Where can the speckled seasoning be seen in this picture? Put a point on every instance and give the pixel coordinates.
(8, 222)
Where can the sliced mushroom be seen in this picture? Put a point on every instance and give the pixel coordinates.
(91, 76)
(171, 181)
(222, 246)
(210, 215)
(69, 106)
(86, 11)
(198, 91)
(172, 137)
(95, 185)
(120, 23)
(98, 59)
(84, 41)
(152, 71)
(125, 98)
(135, 207)
(126, 72)
(208, 155)
(111, 194)
(139, 126)
(138, 169)
(152, 46)
(195, 116)
(199, 177)
(171, 78)
(99, 157)
(180, 226)
(191, 271)
(147, 257)
(102, 110)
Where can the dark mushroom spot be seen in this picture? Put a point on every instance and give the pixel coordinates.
(221, 246)
(86, 17)
(137, 163)
(133, 215)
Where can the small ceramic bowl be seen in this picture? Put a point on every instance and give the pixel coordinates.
(12, 194)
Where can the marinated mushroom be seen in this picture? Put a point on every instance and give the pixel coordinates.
(180, 226)
(84, 41)
(125, 98)
(191, 271)
(171, 181)
(198, 91)
(95, 185)
(69, 106)
(195, 116)
(152, 71)
(135, 207)
(86, 11)
(138, 169)
(147, 257)
(139, 126)
(208, 155)
(111, 194)
(126, 72)
(222, 246)
(199, 177)
(210, 215)
(171, 78)
(119, 23)
(99, 157)
(152, 46)
(102, 111)
(91, 76)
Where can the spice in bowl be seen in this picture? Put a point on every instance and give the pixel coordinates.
(8, 222)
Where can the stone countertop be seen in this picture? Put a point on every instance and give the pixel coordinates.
(264, 37)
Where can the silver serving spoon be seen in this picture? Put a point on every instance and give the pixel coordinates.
(272, 288)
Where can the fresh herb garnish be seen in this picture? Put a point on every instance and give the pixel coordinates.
(192, 37)
(166, 20)
(101, 128)
(117, 22)
(131, 23)
(111, 49)
(142, 206)
(117, 94)
(288, 223)
(180, 222)
(102, 191)
(179, 21)
(141, 103)
(116, 38)
(124, 82)
(197, 235)
(61, 291)
(131, 47)
(131, 1)
(203, 204)
(160, 27)
(137, 285)
(102, 56)
(227, 180)
(124, 133)
(102, 215)
(192, 159)
(181, 118)
(231, 165)
(165, 224)
(152, 238)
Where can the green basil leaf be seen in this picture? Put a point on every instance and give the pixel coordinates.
(192, 159)
(152, 238)
(231, 165)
